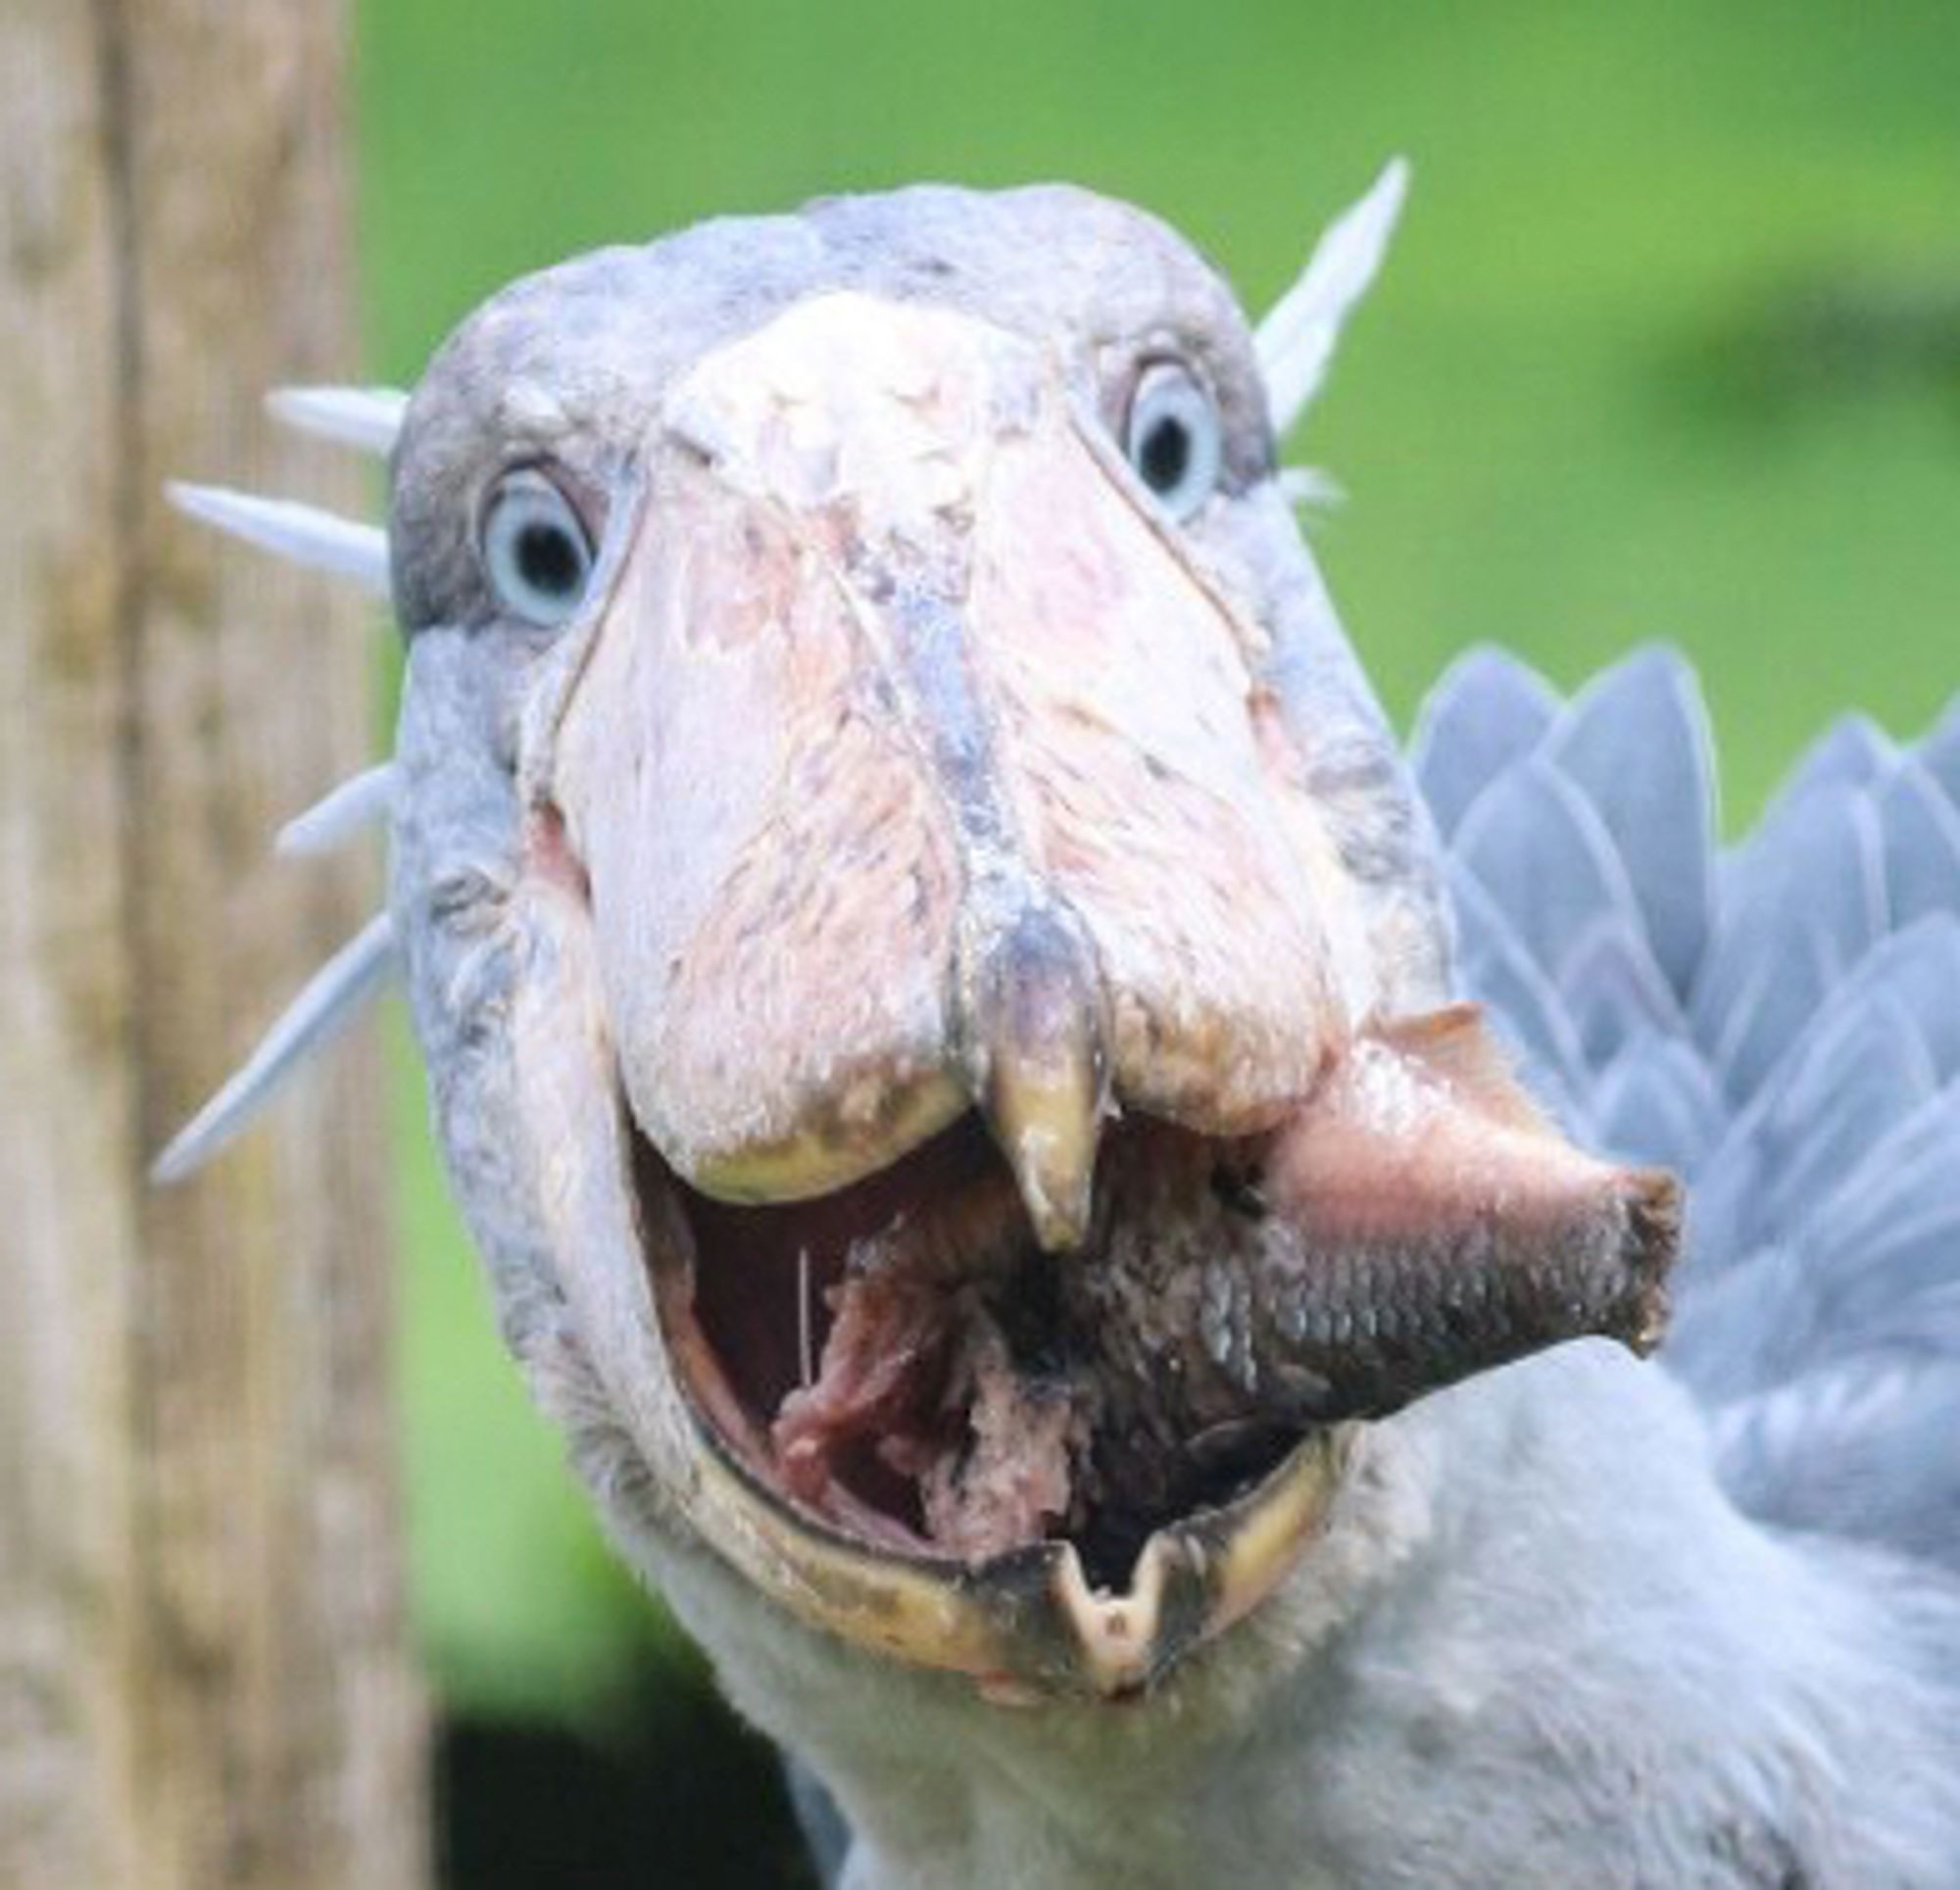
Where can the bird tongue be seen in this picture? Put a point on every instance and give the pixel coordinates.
(1414, 1222)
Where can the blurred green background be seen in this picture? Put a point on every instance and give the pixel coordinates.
(1669, 347)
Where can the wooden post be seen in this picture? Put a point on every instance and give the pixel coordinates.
(203, 1672)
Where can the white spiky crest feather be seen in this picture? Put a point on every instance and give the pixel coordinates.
(368, 419)
(330, 997)
(1295, 343)
(306, 535)
(342, 811)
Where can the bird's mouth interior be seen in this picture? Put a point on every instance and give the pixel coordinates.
(904, 1364)
(901, 1361)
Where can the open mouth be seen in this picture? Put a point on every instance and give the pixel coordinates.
(901, 1361)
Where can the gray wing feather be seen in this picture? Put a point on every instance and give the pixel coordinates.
(1805, 1452)
(1541, 853)
(1921, 844)
(1851, 752)
(1657, 1103)
(1779, 1024)
(1939, 752)
(1636, 739)
(1527, 1010)
(1822, 1112)
(1615, 992)
(1489, 709)
(1780, 967)
(1906, 1179)
(1814, 867)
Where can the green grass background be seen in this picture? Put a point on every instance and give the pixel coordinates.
(1669, 347)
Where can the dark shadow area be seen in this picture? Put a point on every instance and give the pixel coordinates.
(679, 1795)
(1809, 343)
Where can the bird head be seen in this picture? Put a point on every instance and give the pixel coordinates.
(933, 982)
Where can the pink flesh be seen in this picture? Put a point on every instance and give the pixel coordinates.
(918, 1391)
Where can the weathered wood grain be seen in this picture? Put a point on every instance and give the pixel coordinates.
(204, 1673)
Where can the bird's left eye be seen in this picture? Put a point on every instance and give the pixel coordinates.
(1172, 437)
(535, 548)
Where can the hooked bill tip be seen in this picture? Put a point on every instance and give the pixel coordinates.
(1035, 1037)
(1049, 1138)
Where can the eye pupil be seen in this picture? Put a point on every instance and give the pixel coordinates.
(548, 559)
(1172, 436)
(1166, 455)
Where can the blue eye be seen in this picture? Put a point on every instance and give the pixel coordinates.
(1172, 438)
(535, 549)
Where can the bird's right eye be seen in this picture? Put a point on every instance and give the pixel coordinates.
(1172, 437)
(535, 548)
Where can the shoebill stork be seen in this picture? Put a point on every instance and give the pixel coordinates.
(957, 1032)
